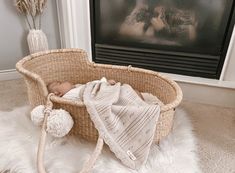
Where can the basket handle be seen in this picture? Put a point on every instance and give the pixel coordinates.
(42, 143)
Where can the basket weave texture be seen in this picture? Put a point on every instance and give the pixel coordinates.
(72, 65)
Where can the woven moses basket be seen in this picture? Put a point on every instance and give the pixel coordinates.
(72, 65)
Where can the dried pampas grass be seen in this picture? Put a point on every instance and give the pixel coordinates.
(31, 9)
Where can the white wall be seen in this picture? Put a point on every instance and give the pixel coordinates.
(13, 32)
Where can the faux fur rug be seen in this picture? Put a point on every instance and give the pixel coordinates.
(19, 139)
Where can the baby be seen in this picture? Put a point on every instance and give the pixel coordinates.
(70, 91)
(74, 92)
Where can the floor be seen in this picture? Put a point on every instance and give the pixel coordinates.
(214, 127)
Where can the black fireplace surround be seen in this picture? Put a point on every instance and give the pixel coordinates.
(188, 37)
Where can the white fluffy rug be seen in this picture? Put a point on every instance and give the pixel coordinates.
(19, 138)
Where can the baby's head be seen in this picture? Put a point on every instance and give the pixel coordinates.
(59, 88)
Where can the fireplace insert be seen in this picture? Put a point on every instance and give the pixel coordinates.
(188, 37)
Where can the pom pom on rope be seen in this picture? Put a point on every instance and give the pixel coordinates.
(37, 115)
(59, 123)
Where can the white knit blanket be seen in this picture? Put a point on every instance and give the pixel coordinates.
(125, 122)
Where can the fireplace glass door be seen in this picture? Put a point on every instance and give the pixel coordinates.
(178, 36)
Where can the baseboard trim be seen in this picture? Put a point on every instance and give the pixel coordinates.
(201, 81)
(9, 74)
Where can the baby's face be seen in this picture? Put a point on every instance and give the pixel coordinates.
(60, 88)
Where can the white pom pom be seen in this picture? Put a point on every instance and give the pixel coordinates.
(37, 115)
(59, 123)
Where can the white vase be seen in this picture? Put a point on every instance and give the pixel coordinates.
(37, 41)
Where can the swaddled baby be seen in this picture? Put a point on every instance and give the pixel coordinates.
(74, 92)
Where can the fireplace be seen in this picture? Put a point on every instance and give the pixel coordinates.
(188, 37)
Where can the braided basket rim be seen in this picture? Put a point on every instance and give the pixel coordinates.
(22, 70)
